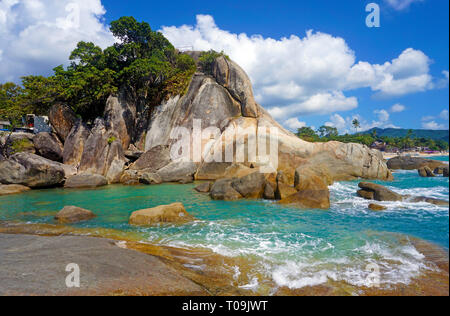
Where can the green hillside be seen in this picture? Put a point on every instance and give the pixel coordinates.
(417, 133)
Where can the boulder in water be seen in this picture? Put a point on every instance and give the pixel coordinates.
(85, 180)
(7, 189)
(173, 213)
(380, 193)
(73, 214)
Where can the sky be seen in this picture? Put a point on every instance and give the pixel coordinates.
(312, 62)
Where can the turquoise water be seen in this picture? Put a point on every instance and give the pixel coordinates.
(294, 247)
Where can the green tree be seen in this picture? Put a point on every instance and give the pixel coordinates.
(328, 131)
(356, 124)
(307, 133)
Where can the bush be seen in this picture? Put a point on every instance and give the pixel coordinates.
(207, 59)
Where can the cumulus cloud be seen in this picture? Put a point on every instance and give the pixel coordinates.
(293, 124)
(295, 76)
(345, 125)
(37, 35)
(444, 115)
(397, 108)
(433, 125)
(400, 5)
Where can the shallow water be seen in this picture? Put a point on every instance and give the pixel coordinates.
(294, 248)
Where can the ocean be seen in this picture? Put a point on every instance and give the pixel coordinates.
(293, 248)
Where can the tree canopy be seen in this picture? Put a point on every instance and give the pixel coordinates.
(142, 63)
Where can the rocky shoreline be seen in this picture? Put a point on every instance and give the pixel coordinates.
(140, 269)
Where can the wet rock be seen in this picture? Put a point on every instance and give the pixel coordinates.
(250, 186)
(85, 180)
(411, 163)
(284, 190)
(439, 170)
(417, 199)
(31, 170)
(377, 207)
(380, 193)
(73, 214)
(445, 171)
(6, 189)
(62, 118)
(426, 172)
(368, 195)
(222, 190)
(269, 193)
(48, 146)
(313, 199)
(173, 213)
(204, 187)
(150, 178)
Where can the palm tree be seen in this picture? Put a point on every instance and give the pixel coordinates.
(356, 124)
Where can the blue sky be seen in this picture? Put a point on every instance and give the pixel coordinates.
(309, 79)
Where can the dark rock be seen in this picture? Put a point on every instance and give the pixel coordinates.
(150, 178)
(368, 195)
(445, 171)
(204, 187)
(250, 186)
(73, 214)
(31, 170)
(426, 172)
(269, 193)
(380, 193)
(222, 190)
(48, 146)
(377, 207)
(417, 199)
(85, 180)
(62, 118)
(411, 163)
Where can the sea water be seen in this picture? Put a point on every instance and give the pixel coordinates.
(294, 248)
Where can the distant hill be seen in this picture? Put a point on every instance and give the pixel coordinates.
(417, 133)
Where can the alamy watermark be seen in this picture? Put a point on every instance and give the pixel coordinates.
(73, 278)
(373, 19)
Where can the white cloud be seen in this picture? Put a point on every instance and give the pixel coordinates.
(294, 124)
(400, 5)
(428, 118)
(296, 75)
(38, 35)
(383, 115)
(443, 82)
(444, 115)
(433, 125)
(397, 108)
(345, 125)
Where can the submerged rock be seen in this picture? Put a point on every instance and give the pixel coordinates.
(204, 187)
(173, 213)
(380, 193)
(85, 180)
(7, 189)
(377, 207)
(411, 163)
(48, 146)
(417, 199)
(73, 214)
(31, 170)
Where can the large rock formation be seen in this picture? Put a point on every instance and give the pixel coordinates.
(85, 180)
(31, 170)
(62, 118)
(48, 146)
(411, 163)
(120, 116)
(74, 144)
